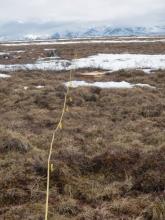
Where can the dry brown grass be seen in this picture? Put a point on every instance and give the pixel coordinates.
(33, 52)
(108, 159)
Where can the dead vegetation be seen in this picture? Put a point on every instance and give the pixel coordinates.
(67, 51)
(108, 159)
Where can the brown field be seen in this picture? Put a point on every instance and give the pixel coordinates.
(109, 158)
(33, 52)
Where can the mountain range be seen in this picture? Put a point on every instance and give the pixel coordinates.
(55, 30)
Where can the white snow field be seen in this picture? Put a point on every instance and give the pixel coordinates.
(118, 41)
(109, 62)
(115, 62)
(106, 85)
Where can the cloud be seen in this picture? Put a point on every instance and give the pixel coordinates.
(116, 12)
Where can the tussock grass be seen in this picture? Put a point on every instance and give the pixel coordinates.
(108, 159)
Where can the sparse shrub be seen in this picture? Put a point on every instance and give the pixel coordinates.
(115, 162)
(46, 101)
(40, 167)
(152, 110)
(148, 174)
(51, 53)
(13, 196)
(61, 176)
(68, 208)
(10, 141)
(156, 211)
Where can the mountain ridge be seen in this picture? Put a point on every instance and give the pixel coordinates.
(55, 30)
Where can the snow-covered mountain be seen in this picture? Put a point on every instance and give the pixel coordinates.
(56, 30)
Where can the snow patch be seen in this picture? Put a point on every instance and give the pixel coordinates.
(106, 85)
(25, 87)
(40, 87)
(108, 62)
(115, 62)
(49, 49)
(4, 53)
(48, 58)
(7, 53)
(4, 75)
(83, 42)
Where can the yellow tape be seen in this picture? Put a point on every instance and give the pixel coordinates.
(60, 125)
(50, 167)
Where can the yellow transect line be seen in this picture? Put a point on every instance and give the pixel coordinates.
(59, 126)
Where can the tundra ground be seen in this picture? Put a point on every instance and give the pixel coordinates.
(109, 158)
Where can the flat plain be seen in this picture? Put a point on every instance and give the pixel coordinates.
(109, 157)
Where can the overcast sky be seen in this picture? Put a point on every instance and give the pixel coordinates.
(116, 12)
